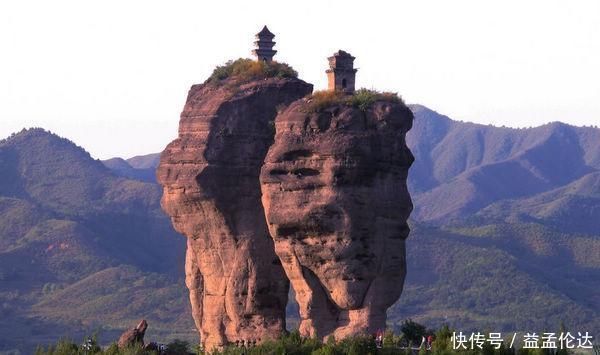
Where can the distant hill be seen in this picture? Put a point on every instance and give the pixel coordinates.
(479, 169)
(495, 173)
(501, 277)
(505, 235)
(148, 161)
(574, 207)
(506, 226)
(471, 166)
(141, 167)
(65, 218)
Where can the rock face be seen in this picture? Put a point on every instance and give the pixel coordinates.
(336, 202)
(133, 336)
(210, 175)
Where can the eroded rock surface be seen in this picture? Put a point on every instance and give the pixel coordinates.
(336, 202)
(210, 174)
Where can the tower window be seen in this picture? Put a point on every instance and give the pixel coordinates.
(344, 83)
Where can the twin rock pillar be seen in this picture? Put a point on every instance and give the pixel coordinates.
(332, 186)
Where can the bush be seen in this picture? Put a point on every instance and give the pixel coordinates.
(320, 100)
(178, 347)
(361, 99)
(359, 345)
(294, 344)
(244, 70)
(413, 331)
(67, 347)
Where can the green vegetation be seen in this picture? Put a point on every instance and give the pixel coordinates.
(105, 255)
(505, 277)
(243, 70)
(71, 259)
(361, 99)
(68, 347)
(294, 344)
(413, 331)
(364, 98)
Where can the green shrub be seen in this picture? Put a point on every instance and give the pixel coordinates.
(359, 345)
(63, 347)
(244, 70)
(320, 100)
(113, 349)
(178, 347)
(67, 347)
(294, 344)
(361, 99)
(413, 331)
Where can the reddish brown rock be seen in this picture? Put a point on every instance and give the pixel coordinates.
(133, 336)
(336, 202)
(210, 175)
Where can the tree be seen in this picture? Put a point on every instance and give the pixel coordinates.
(413, 331)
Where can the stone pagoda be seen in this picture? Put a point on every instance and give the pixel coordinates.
(341, 72)
(264, 45)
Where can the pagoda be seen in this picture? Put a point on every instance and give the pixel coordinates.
(264, 45)
(341, 73)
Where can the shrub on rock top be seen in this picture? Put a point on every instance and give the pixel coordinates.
(244, 70)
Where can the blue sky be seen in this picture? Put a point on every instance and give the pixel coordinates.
(113, 75)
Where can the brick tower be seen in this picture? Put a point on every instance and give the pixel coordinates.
(341, 72)
(264, 45)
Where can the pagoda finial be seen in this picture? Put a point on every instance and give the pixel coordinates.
(264, 45)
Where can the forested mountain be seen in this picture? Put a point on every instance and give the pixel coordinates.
(505, 235)
(471, 166)
(81, 249)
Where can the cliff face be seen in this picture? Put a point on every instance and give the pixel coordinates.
(210, 175)
(336, 202)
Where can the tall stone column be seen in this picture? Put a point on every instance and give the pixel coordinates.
(336, 201)
(210, 176)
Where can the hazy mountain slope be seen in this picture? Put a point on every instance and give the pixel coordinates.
(504, 277)
(118, 296)
(63, 182)
(485, 273)
(40, 168)
(574, 207)
(147, 161)
(65, 217)
(472, 166)
(17, 217)
(123, 168)
(524, 249)
(516, 246)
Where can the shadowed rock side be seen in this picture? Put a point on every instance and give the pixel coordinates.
(210, 175)
(336, 202)
(133, 336)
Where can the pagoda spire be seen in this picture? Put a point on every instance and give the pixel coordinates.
(264, 45)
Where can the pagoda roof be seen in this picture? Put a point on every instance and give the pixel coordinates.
(342, 53)
(265, 33)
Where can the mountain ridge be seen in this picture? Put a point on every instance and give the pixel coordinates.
(478, 162)
(503, 201)
(65, 217)
(487, 248)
